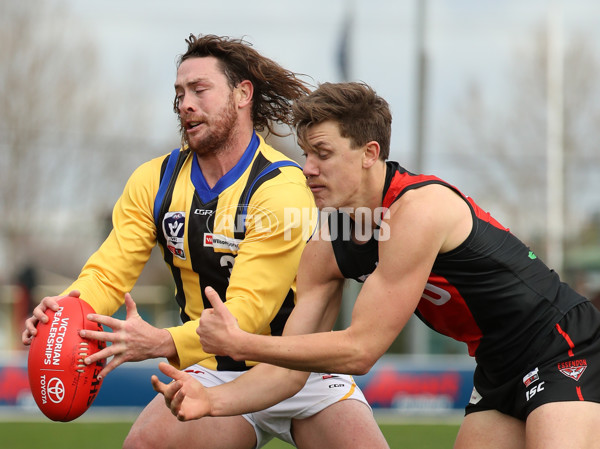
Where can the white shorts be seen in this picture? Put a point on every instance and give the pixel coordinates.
(319, 392)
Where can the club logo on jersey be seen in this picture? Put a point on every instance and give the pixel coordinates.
(531, 377)
(173, 226)
(573, 369)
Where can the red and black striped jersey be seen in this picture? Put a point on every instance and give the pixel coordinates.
(491, 292)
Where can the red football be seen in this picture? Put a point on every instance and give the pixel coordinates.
(62, 385)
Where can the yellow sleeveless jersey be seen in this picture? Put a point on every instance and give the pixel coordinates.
(243, 237)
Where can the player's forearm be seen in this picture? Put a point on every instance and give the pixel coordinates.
(259, 388)
(327, 352)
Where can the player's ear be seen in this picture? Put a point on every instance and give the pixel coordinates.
(243, 93)
(371, 154)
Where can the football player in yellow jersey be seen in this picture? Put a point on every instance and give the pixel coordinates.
(224, 210)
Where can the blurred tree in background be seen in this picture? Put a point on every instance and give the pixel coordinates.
(503, 144)
(67, 142)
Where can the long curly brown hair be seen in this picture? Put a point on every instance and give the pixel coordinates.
(275, 88)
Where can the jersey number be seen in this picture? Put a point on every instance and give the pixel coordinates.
(227, 262)
(436, 295)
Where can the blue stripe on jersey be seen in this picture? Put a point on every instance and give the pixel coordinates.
(164, 183)
(271, 167)
(207, 194)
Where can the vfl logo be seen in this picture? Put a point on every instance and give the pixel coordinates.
(174, 229)
(56, 390)
(573, 369)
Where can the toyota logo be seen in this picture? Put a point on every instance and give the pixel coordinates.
(56, 390)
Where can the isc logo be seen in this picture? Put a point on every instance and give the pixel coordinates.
(536, 389)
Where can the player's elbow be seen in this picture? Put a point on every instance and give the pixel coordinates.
(361, 362)
(361, 366)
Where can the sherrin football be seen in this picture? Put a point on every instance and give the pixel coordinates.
(62, 385)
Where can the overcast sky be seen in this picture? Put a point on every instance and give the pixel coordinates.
(466, 40)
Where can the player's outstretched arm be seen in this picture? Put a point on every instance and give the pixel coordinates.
(389, 296)
(265, 385)
(319, 294)
(257, 389)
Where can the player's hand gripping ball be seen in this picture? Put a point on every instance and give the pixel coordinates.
(62, 385)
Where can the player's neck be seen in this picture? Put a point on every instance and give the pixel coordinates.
(373, 186)
(215, 165)
(370, 196)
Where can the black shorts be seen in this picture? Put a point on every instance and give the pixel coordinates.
(566, 369)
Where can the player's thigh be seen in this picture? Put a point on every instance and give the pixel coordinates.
(490, 429)
(564, 424)
(156, 427)
(345, 424)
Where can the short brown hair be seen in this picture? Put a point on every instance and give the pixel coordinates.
(275, 88)
(361, 114)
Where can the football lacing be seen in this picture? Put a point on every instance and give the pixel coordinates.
(83, 352)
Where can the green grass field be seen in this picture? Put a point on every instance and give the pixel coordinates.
(88, 435)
